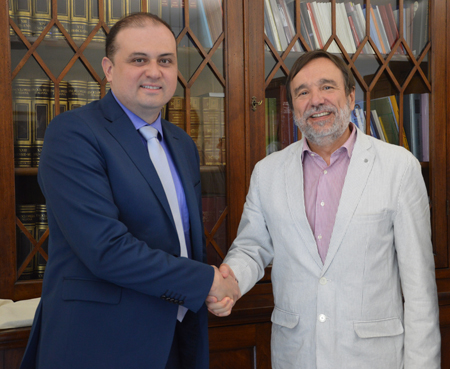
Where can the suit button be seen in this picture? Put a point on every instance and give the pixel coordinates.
(181, 302)
(322, 318)
(323, 281)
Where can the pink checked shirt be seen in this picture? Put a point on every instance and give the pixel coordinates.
(323, 187)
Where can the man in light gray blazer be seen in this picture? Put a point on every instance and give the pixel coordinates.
(344, 219)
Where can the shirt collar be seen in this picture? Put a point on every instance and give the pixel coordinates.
(348, 145)
(137, 121)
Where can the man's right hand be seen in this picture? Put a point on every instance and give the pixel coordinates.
(224, 291)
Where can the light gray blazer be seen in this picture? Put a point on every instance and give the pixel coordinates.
(348, 312)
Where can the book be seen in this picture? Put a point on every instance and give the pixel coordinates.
(115, 10)
(386, 25)
(377, 125)
(306, 19)
(26, 214)
(385, 112)
(42, 14)
(420, 27)
(176, 111)
(63, 12)
(317, 36)
(411, 117)
(213, 130)
(177, 17)
(361, 21)
(93, 91)
(394, 107)
(343, 29)
(273, 143)
(40, 117)
(12, 16)
(79, 20)
(425, 126)
(382, 31)
(23, 14)
(93, 20)
(375, 33)
(22, 116)
(271, 25)
(288, 24)
(214, 15)
(76, 94)
(41, 227)
(279, 24)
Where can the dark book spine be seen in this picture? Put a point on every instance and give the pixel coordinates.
(93, 91)
(79, 20)
(27, 215)
(115, 10)
(23, 13)
(63, 17)
(22, 117)
(40, 116)
(42, 14)
(76, 94)
(41, 226)
(94, 18)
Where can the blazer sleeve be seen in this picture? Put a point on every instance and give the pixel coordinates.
(412, 233)
(252, 250)
(74, 177)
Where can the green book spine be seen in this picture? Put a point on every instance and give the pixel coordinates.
(42, 14)
(23, 13)
(40, 116)
(76, 94)
(22, 117)
(63, 17)
(27, 215)
(41, 226)
(79, 20)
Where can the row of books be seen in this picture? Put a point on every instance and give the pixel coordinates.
(207, 125)
(316, 26)
(80, 17)
(34, 107)
(384, 118)
(34, 218)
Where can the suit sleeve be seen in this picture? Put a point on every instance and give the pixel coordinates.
(416, 265)
(73, 176)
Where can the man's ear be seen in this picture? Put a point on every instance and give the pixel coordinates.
(107, 66)
(351, 98)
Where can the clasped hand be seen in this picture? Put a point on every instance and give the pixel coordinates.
(224, 291)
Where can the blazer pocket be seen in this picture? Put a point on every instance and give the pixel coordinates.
(379, 328)
(89, 290)
(284, 318)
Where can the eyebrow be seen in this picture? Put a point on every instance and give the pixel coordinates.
(323, 81)
(141, 54)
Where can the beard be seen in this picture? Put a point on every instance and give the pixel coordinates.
(318, 133)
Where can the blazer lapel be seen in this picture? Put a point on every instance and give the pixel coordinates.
(358, 172)
(296, 201)
(175, 144)
(126, 135)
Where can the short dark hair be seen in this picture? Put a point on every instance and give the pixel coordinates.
(304, 59)
(132, 20)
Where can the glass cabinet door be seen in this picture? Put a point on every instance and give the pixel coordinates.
(387, 45)
(56, 52)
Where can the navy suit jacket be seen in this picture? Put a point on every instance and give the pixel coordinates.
(114, 278)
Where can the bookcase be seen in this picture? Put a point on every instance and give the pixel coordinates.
(230, 82)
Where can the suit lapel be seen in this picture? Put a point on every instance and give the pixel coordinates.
(358, 172)
(296, 201)
(122, 129)
(176, 146)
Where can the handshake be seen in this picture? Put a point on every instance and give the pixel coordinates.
(224, 291)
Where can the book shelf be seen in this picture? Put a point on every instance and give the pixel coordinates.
(238, 60)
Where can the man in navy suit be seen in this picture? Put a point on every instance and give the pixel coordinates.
(115, 278)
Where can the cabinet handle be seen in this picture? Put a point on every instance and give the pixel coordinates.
(255, 103)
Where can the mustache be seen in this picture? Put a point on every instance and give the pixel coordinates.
(320, 109)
